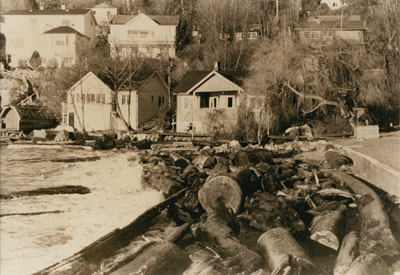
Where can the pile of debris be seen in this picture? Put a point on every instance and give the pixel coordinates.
(253, 210)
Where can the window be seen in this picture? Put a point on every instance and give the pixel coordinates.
(2, 19)
(90, 98)
(123, 100)
(152, 98)
(132, 33)
(60, 43)
(65, 22)
(230, 102)
(160, 101)
(204, 101)
(33, 21)
(315, 35)
(144, 34)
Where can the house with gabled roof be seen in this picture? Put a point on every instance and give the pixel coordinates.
(151, 36)
(26, 31)
(208, 98)
(92, 105)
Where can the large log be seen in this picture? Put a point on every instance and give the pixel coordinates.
(336, 159)
(220, 186)
(220, 237)
(347, 253)
(65, 189)
(204, 161)
(326, 228)
(376, 235)
(158, 258)
(282, 252)
(368, 264)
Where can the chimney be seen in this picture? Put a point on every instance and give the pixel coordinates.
(217, 66)
(41, 6)
(63, 6)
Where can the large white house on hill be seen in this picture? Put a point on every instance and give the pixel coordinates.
(143, 35)
(49, 32)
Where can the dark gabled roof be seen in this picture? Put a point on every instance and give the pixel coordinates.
(191, 78)
(333, 22)
(49, 12)
(159, 19)
(64, 29)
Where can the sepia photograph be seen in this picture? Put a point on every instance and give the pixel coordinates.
(199, 137)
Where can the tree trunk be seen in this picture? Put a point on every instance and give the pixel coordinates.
(376, 235)
(219, 236)
(221, 187)
(369, 264)
(325, 228)
(282, 252)
(347, 253)
(204, 161)
(158, 258)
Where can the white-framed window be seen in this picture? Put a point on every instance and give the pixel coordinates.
(60, 42)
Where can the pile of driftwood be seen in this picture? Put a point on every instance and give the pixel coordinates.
(250, 210)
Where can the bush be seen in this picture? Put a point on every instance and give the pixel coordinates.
(52, 63)
(36, 60)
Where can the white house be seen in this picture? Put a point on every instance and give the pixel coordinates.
(206, 99)
(334, 4)
(143, 35)
(92, 104)
(104, 13)
(25, 30)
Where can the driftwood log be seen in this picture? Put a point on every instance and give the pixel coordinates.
(368, 264)
(376, 235)
(326, 228)
(220, 237)
(224, 187)
(282, 252)
(347, 254)
(336, 159)
(65, 189)
(157, 258)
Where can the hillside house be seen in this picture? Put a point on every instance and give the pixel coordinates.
(92, 103)
(249, 32)
(64, 46)
(150, 36)
(330, 29)
(205, 98)
(104, 13)
(334, 4)
(26, 118)
(26, 31)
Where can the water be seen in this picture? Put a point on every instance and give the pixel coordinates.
(29, 243)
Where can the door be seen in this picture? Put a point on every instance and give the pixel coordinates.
(213, 102)
(71, 120)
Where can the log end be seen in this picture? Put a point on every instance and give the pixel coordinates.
(326, 238)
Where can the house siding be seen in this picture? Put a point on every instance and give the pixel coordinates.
(11, 120)
(148, 108)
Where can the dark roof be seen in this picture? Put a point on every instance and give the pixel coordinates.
(159, 19)
(64, 29)
(191, 78)
(49, 12)
(333, 22)
(33, 112)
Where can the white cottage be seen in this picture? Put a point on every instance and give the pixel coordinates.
(205, 98)
(92, 105)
